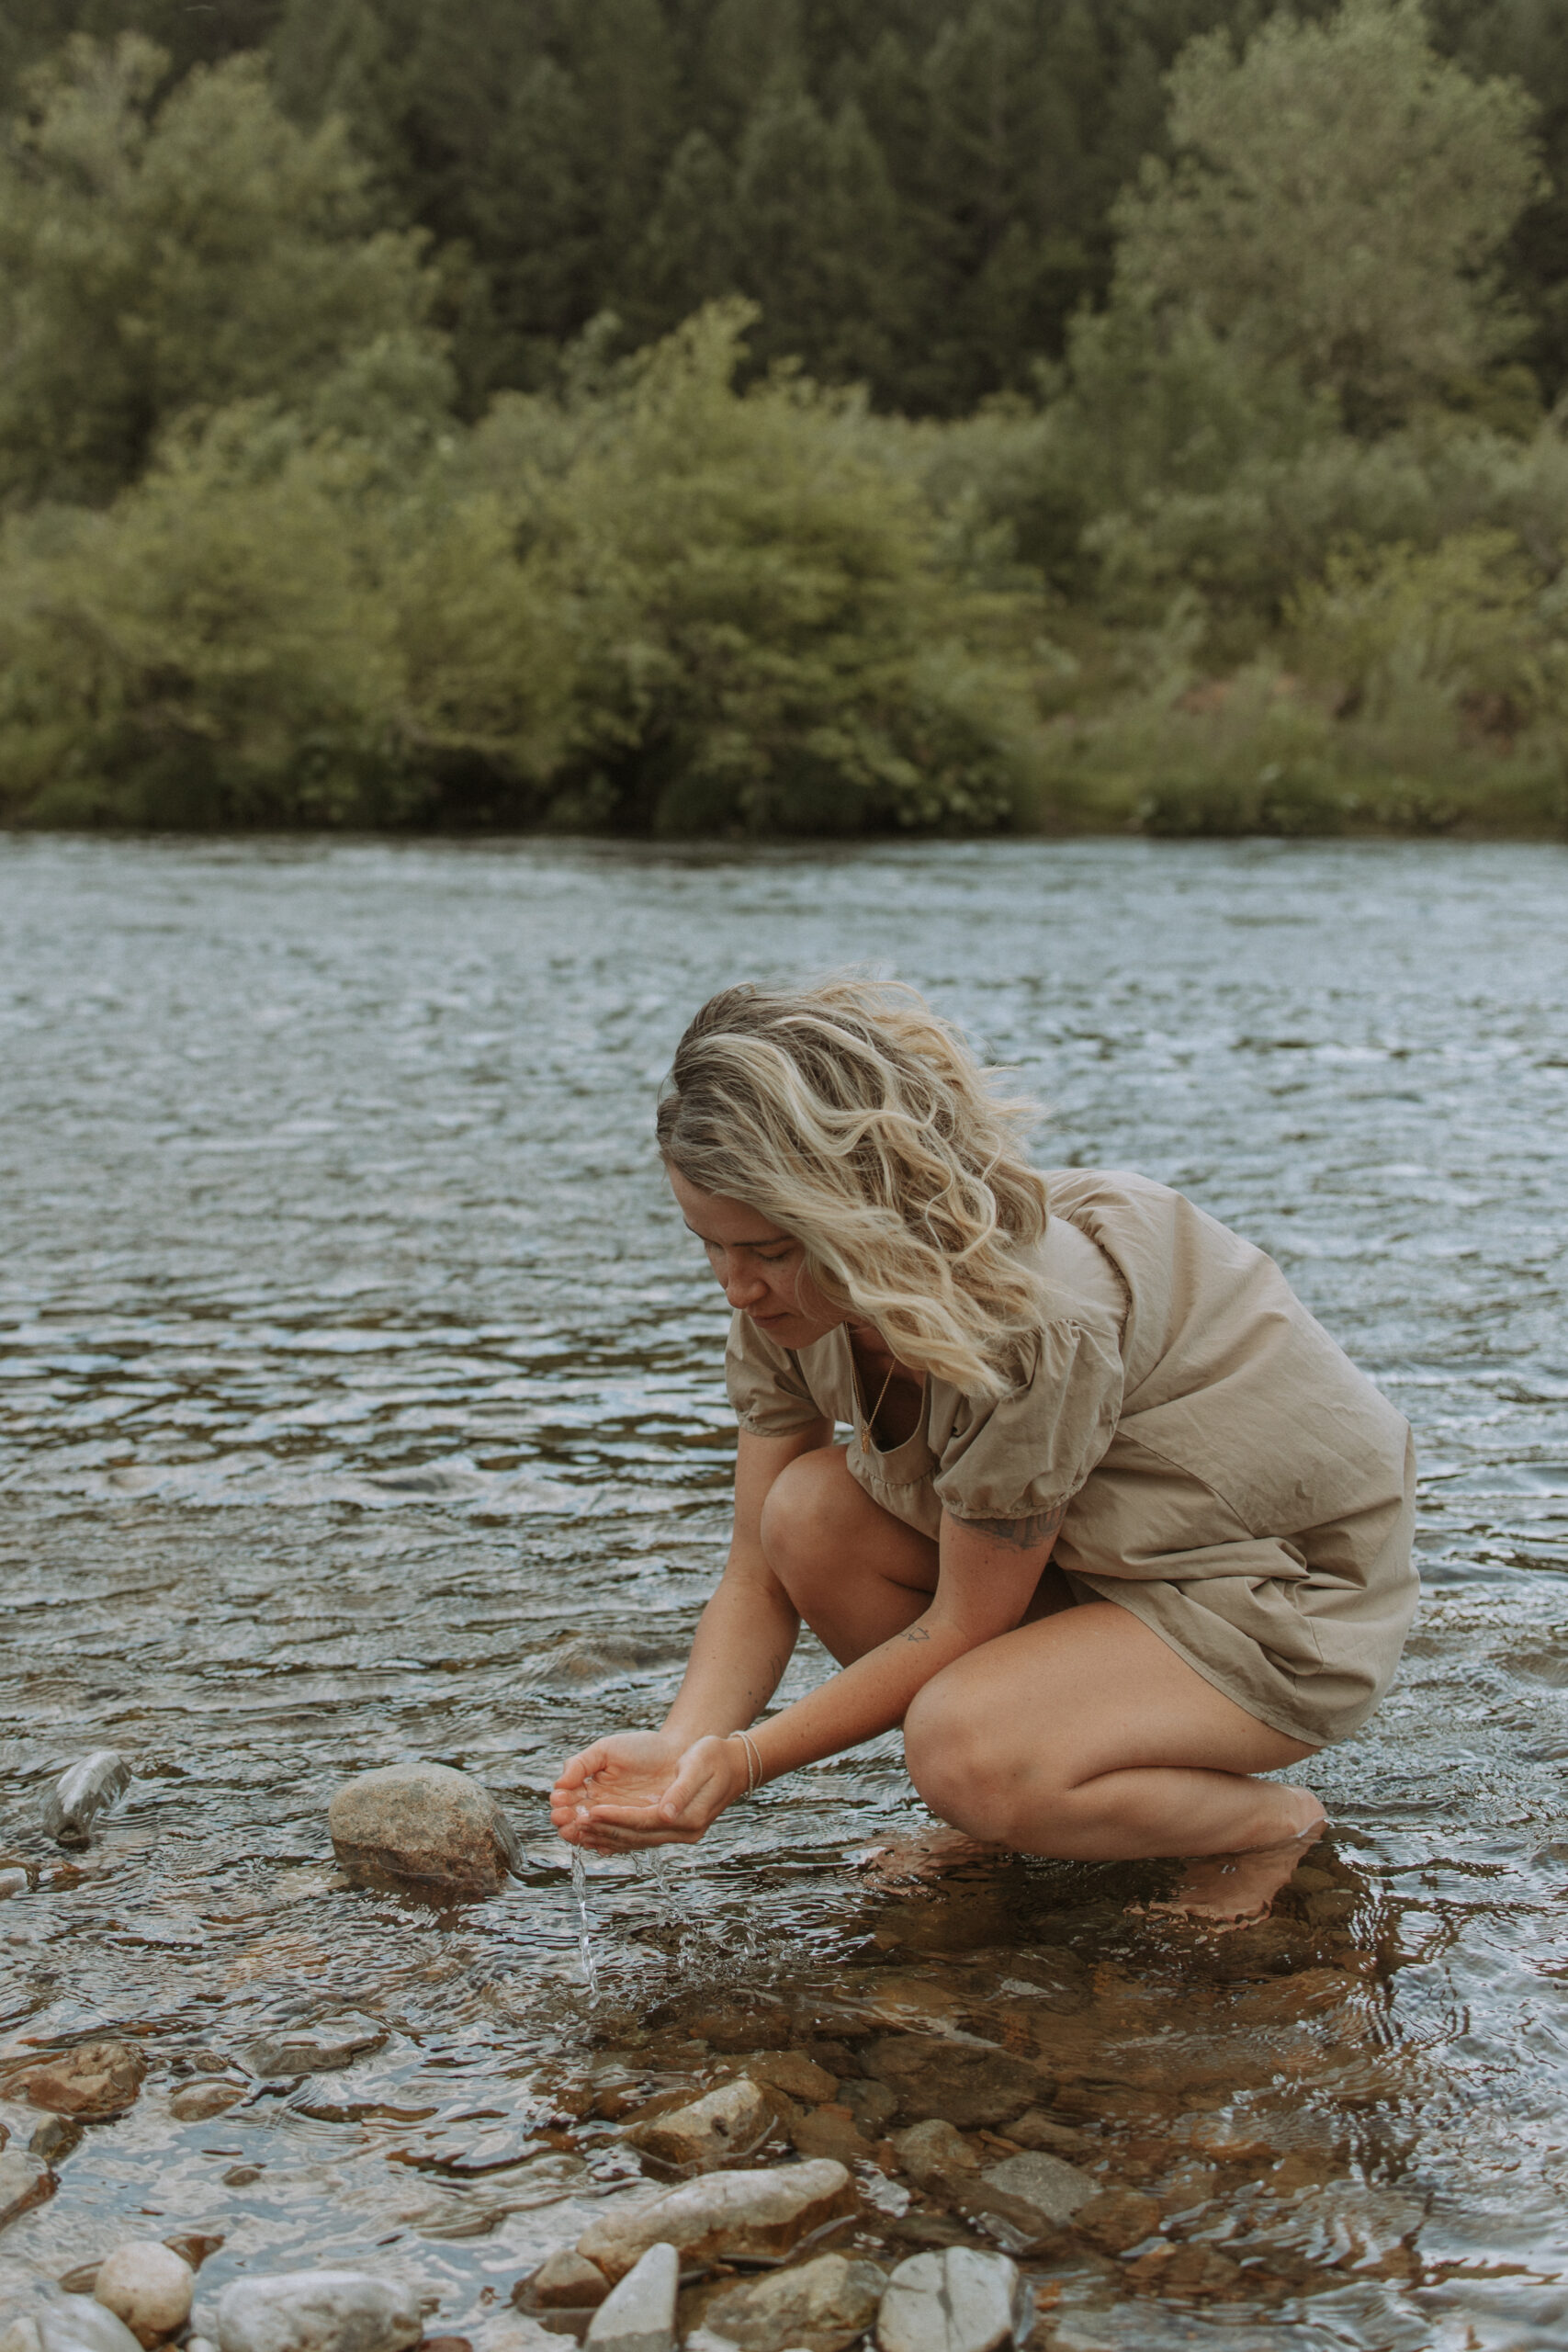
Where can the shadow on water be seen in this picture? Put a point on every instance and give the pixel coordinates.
(360, 1401)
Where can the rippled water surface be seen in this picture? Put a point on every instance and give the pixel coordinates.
(360, 1400)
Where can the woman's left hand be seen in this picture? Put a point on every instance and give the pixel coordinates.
(637, 1799)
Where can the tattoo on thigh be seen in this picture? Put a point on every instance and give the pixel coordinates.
(1023, 1535)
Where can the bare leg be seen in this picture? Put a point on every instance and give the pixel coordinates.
(1080, 1734)
(1085, 1736)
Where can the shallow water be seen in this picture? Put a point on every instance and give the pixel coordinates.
(360, 1399)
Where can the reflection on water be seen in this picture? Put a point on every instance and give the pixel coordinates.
(361, 1399)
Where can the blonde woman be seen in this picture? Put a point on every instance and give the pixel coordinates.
(1118, 1529)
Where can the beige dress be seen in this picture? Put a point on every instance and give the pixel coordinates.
(1229, 1476)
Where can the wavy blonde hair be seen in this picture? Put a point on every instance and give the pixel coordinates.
(855, 1119)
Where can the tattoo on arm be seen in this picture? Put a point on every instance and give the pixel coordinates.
(1024, 1534)
(917, 1633)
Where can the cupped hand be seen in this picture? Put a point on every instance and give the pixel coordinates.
(642, 1788)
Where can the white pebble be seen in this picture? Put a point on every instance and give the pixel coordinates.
(148, 2286)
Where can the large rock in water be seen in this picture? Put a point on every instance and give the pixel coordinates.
(318, 2310)
(820, 2306)
(422, 1828)
(728, 2216)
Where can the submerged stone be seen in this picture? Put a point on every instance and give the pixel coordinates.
(822, 2306)
(314, 2050)
(959, 2301)
(930, 2153)
(318, 2310)
(965, 2083)
(563, 2281)
(422, 1828)
(76, 2324)
(25, 2181)
(84, 1790)
(1043, 2184)
(725, 2217)
(95, 2080)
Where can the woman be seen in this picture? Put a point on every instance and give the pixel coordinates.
(1119, 1527)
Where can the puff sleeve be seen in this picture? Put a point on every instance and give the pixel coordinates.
(1031, 1451)
(766, 1384)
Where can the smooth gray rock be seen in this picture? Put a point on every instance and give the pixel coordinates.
(424, 1828)
(957, 2300)
(13, 1881)
(930, 2153)
(727, 2217)
(1053, 2189)
(83, 1792)
(75, 2323)
(564, 2282)
(822, 2306)
(318, 2310)
(639, 2314)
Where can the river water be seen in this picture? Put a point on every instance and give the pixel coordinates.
(360, 1399)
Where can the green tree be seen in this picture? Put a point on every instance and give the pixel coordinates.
(161, 254)
(1338, 200)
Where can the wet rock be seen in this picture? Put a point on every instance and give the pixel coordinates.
(22, 2335)
(318, 2310)
(820, 2306)
(94, 2081)
(874, 2104)
(1049, 2190)
(712, 2132)
(149, 2287)
(84, 1790)
(1035, 2129)
(793, 2072)
(75, 2323)
(13, 1881)
(727, 2216)
(963, 2083)
(54, 2138)
(1117, 2219)
(313, 2050)
(639, 2314)
(25, 2181)
(564, 2281)
(959, 2300)
(931, 2152)
(830, 2132)
(425, 1828)
(196, 2102)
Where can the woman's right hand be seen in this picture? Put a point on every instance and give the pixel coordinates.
(655, 1790)
(629, 1768)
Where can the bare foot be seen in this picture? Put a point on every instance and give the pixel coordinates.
(1224, 1891)
(930, 1855)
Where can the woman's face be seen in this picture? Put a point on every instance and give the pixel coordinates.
(760, 1270)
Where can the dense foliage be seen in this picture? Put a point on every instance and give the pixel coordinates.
(774, 414)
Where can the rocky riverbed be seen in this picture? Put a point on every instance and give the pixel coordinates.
(327, 1445)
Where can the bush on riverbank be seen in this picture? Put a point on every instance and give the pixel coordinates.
(1275, 547)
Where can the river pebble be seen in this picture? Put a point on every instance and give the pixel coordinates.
(958, 2300)
(319, 2049)
(727, 2216)
(13, 1881)
(422, 1828)
(95, 2080)
(1048, 2187)
(820, 2306)
(147, 2285)
(727, 2122)
(639, 2314)
(84, 1790)
(931, 2152)
(196, 2102)
(792, 2072)
(318, 2310)
(76, 2324)
(563, 2281)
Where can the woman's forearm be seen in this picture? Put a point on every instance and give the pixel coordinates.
(871, 1696)
(745, 1638)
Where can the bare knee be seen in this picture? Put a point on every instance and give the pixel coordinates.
(962, 1763)
(803, 1524)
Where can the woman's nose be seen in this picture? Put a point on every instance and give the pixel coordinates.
(741, 1288)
